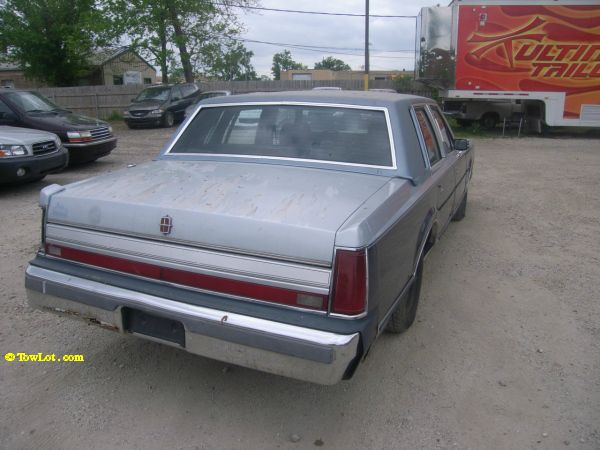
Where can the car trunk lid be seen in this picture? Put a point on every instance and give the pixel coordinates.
(282, 212)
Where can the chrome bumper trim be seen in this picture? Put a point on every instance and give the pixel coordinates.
(289, 350)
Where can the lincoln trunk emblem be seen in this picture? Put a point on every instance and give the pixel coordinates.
(166, 225)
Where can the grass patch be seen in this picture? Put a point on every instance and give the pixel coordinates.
(473, 130)
(115, 116)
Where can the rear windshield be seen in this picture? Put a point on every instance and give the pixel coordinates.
(334, 134)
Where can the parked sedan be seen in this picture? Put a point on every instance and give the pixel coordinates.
(86, 138)
(161, 105)
(280, 231)
(29, 155)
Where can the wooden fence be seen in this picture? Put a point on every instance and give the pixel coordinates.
(106, 101)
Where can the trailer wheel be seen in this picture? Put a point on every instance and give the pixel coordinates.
(489, 121)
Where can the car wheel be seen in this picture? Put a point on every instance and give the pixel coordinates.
(406, 311)
(168, 119)
(489, 121)
(461, 212)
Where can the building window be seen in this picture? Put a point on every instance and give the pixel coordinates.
(117, 79)
(147, 80)
(379, 78)
(302, 77)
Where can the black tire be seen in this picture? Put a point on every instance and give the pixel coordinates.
(406, 311)
(461, 212)
(168, 119)
(489, 121)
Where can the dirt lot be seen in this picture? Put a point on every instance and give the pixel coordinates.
(505, 352)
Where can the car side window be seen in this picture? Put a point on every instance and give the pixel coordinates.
(431, 144)
(444, 130)
(176, 93)
(188, 89)
(4, 108)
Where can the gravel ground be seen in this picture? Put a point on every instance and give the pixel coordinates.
(505, 352)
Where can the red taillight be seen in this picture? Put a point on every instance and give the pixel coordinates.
(350, 282)
(206, 282)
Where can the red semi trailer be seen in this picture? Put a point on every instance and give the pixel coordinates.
(494, 58)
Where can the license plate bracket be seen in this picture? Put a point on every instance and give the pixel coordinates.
(163, 328)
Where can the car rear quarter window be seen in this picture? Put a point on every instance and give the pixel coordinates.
(444, 130)
(431, 145)
(307, 132)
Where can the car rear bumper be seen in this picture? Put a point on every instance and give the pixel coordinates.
(289, 350)
(89, 151)
(34, 166)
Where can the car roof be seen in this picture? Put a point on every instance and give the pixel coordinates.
(168, 85)
(215, 91)
(358, 98)
(8, 90)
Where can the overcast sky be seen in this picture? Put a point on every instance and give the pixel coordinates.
(387, 35)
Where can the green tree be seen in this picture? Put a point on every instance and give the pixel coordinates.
(229, 62)
(179, 29)
(283, 61)
(404, 84)
(53, 39)
(332, 63)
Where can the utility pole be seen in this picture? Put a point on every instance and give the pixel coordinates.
(366, 75)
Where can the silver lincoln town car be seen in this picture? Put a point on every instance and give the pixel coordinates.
(282, 232)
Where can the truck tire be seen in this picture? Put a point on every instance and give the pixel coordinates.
(168, 119)
(406, 311)
(461, 212)
(489, 121)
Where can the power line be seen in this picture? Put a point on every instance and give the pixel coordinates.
(322, 13)
(323, 47)
(317, 49)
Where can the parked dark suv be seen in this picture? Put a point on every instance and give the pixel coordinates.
(86, 138)
(160, 105)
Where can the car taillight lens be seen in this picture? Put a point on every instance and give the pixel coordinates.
(350, 282)
(211, 283)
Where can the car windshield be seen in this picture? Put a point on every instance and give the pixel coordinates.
(32, 102)
(319, 133)
(155, 93)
